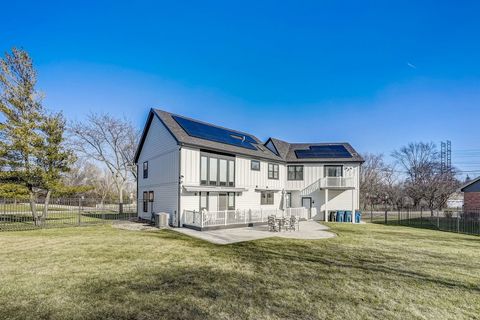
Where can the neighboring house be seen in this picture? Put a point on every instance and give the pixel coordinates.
(471, 195)
(186, 165)
(455, 201)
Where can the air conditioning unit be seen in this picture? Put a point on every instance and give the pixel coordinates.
(161, 220)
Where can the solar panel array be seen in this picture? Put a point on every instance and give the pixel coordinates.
(211, 133)
(326, 151)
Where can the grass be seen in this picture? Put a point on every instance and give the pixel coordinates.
(368, 271)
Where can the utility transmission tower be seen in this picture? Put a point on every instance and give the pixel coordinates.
(446, 156)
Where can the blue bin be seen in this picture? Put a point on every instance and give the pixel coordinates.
(358, 216)
(340, 216)
(348, 216)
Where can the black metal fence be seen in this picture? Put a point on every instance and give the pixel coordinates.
(19, 214)
(452, 220)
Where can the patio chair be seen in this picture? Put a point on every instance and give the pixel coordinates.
(272, 225)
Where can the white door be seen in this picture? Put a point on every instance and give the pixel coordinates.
(307, 203)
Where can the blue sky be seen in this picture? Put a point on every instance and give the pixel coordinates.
(377, 75)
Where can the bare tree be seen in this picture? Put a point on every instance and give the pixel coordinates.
(111, 142)
(425, 180)
(372, 174)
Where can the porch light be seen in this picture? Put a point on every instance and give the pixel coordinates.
(150, 196)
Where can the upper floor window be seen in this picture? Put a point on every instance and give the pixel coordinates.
(217, 170)
(333, 171)
(145, 170)
(273, 171)
(255, 165)
(295, 172)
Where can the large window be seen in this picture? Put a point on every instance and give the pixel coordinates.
(204, 201)
(203, 170)
(222, 172)
(231, 201)
(213, 172)
(217, 170)
(266, 197)
(255, 165)
(231, 173)
(273, 171)
(145, 170)
(295, 172)
(333, 171)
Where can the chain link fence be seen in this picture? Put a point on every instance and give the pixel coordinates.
(63, 212)
(452, 220)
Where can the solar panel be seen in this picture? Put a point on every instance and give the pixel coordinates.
(211, 133)
(326, 151)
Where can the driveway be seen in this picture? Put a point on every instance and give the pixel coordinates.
(309, 230)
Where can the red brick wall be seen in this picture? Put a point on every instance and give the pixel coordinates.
(471, 200)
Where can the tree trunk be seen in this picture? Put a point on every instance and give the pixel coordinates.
(120, 194)
(33, 208)
(45, 206)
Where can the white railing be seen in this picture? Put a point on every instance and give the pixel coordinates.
(336, 182)
(205, 218)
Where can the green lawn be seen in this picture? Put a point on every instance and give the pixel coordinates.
(368, 271)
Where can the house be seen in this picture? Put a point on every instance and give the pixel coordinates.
(187, 167)
(471, 195)
(455, 201)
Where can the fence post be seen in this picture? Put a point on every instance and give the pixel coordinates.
(386, 212)
(458, 223)
(79, 211)
(438, 220)
(201, 217)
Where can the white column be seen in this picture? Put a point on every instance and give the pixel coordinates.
(326, 205)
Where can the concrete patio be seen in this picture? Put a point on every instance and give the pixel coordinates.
(309, 230)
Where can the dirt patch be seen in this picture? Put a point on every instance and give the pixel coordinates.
(134, 226)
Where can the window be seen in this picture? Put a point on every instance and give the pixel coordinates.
(204, 201)
(288, 200)
(266, 197)
(212, 166)
(145, 201)
(231, 201)
(223, 172)
(255, 165)
(333, 171)
(295, 172)
(145, 170)
(203, 170)
(217, 170)
(273, 171)
(231, 173)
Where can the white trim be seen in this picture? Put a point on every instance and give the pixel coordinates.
(213, 189)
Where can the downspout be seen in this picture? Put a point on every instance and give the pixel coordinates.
(179, 186)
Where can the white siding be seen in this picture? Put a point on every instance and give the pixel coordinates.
(337, 199)
(161, 151)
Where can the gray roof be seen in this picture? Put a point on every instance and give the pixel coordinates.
(469, 186)
(286, 150)
(183, 138)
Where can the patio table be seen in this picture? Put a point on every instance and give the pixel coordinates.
(280, 222)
